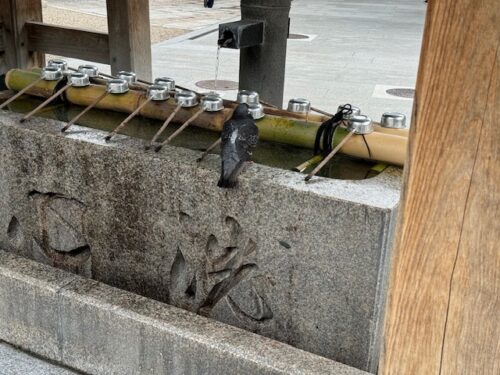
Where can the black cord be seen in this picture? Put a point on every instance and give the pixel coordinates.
(367, 147)
(323, 143)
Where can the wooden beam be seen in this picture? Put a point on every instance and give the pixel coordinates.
(14, 14)
(68, 42)
(129, 36)
(443, 308)
(473, 331)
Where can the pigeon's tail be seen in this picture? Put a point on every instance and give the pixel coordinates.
(227, 183)
(229, 174)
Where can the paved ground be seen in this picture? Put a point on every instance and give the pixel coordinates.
(357, 50)
(15, 362)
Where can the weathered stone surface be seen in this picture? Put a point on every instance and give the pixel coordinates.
(16, 362)
(98, 329)
(305, 264)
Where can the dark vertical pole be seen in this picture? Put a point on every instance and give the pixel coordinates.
(129, 37)
(13, 16)
(262, 68)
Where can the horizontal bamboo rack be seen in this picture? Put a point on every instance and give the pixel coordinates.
(386, 145)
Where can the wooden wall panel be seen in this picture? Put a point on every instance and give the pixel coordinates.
(444, 277)
(13, 15)
(472, 333)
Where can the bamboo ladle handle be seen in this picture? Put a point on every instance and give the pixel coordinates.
(164, 126)
(127, 120)
(178, 131)
(59, 92)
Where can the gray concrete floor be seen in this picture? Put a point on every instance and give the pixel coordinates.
(16, 362)
(357, 50)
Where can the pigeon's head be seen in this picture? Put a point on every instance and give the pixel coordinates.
(241, 111)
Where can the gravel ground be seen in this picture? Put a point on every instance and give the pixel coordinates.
(169, 18)
(71, 18)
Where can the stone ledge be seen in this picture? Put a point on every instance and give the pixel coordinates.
(382, 191)
(98, 329)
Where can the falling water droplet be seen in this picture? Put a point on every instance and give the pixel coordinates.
(217, 61)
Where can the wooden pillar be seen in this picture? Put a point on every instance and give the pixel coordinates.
(129, 37)
(13, 16)
(444, 306)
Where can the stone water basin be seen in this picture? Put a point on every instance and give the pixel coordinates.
(302, 263)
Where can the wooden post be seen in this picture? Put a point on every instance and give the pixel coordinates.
(129, 37)
(443, 309)
(13, 15)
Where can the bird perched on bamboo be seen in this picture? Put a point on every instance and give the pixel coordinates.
(239, 137)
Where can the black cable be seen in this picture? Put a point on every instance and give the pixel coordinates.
(323, 143)
(367, 147)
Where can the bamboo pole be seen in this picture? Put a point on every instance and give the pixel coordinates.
(281, 127)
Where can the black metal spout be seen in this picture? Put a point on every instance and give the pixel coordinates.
(241, 34)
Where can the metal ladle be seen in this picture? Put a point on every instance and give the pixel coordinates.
(155, 93)
(300, 105)
(49, 73)
(59, 63)
(183, 99)
(247, 96)
(210, 103)
(130, 77)
(393, 120)
(75, 79)
(358, 124)
(168, 83)
(113, 86)
(91, 70)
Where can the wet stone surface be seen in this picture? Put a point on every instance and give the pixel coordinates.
(305, 264)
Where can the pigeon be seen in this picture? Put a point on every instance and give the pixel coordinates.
(239, 137)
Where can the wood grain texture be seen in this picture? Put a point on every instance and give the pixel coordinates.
(129, 37)
(444, 276)
(68, 42)
(472, 335)
(13, 15)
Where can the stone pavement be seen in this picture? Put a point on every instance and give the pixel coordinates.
(356, 50)
(16, 362)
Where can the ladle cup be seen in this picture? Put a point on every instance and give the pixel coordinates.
(113, 86)
(49, 73)
(155, 93)
(210, 103)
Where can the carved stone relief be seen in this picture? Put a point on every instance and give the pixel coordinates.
(57, 236)
(201, 284)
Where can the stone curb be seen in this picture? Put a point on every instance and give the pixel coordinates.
(92, 327)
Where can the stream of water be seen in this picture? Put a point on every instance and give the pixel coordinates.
(217, 62)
